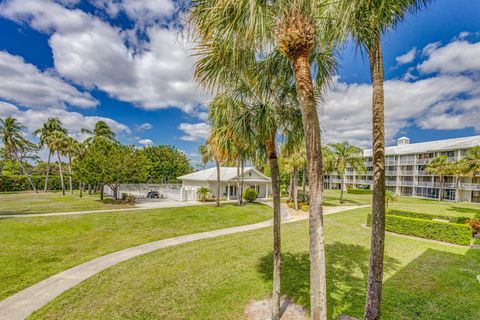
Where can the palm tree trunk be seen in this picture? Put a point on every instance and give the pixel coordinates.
(25, 172)
(311, 124)
(90, 189)
(275, 172)
(70, 173)
(48, 170)
(290, 188)
(80, 187)
(239, 197)
(304, 183)
(342, 186)
(295, 188)
(457, 188)
(101, 190)
(442, 188)
(61, 172)
(377, 247)
(218, 184)
(242, 185)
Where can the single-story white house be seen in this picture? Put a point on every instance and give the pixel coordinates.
(228, 181)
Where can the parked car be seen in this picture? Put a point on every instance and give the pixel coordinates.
(153, 195)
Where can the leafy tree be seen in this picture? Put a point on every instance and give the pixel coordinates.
(457, 169)
(208, 153)
(14, 143)
(294, 153)
(472, 160)
(440, 167)
(345, 155)
(203, 193)
(390, 197)
(167, 163)
(58, 143)
(45, 133)
(100, 131)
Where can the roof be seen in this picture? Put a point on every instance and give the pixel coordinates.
(226, 174)
(430, 146)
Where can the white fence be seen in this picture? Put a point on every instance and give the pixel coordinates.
(165, 191)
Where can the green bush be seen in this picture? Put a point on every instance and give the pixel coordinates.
(304, 207)
(420, 215)
(250, 195)
(20, 183)
(359, 191)
(429, 229)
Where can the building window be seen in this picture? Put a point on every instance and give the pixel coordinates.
(476, 196)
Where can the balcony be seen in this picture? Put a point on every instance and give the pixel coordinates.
(390, 183)
(470, 186)
(334, 180)
(391, 173)
(364, 181)
(423, 173)
(424, 161)
(452, 159)
(406, 173)
(406, 161)
(390, 162)
(406, 183)
(427, 184)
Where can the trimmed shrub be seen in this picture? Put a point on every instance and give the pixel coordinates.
(250, 195)
(20, 183)
(359, 191)
(427, 216)
(429, 229)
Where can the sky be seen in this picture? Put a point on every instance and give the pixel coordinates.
(127, 63)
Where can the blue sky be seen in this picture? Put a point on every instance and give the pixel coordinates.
(124, 62)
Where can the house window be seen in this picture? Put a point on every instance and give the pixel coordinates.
(476, 196)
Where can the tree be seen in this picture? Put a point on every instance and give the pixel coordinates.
(208, 153)
(472, 160)
(458, 169)
(440, 167)
(345, 155)
(79, 151)
(58, 143)
(366, 21)
(100, 131)
(14, 143)
(389, 197)
(231, 36)
(167, 163)
(203, 193)
(294, 152)
(45, 133)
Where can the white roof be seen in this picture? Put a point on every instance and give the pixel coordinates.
(430, 146)
(226, 174)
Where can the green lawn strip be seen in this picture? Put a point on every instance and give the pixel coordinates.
(26, 203)
(435, 207)
(332, 198)
(476, 241)
(33, 249)
(216, 278)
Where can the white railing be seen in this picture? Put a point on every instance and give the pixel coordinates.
(334, 180)
(406, 161)
(423, 173)
(470, 186)
(391, 173)
(452, 159)
(406, 183)
(427, 184)
(423, 161)
(165, 191)
(390, 183)
(406, 173)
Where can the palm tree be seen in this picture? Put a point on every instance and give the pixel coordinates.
(14, 143)
(346, 155)
(68, 150)
(294, 152)
(79, 151)
(472, 160)
(58, 143)
(232, 35)
(45, 133)
(100, 131)
(208, 153)
(366, 21)
(328, 161)
(440, 167)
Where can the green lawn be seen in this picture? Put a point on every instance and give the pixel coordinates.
(460, 209)
(332, 198)
(29, 202)
(216, 278)
(32, 249)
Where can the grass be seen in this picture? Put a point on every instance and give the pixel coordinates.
(476, 241)
(460, 209)
(216, 278)
(28, 202)
(35, 248)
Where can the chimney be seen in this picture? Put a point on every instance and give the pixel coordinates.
(403, 141)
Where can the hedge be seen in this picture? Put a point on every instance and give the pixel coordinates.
(427, 216)
(430, 229)
(359, 191)
(20, 183)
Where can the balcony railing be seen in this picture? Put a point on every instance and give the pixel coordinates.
(424, 161)
(391, 173)
(423, 173)
(334, 180)
(364, 181)
(390, 162)
(406, 161)
(452, 159)
(406, 173)
(390, 183)
(470, 186)
(406, 183)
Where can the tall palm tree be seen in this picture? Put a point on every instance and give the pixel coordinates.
(58, 143)
(14, 142)
(234, 34)
(100, 131)
(346, 155)
(294, 152)
(45, 133)
(472, 160)
(211, 151)
(79, 151)
(366, 21)
(68, 150)
(440, 167)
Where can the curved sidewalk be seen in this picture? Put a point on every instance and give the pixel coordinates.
(23, 303)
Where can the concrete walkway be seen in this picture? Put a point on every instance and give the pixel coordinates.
(23, 303)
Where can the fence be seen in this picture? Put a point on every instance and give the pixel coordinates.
(165, 191)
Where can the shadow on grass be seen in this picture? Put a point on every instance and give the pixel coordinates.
(466, 210)
(347, 273)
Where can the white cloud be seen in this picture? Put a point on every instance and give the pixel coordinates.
(456, 57)
(153, 74)
(144, 126)
(407, 57)
(73, 121)
(194, 131)
(23, 83)
(145, 142)
(429, 48)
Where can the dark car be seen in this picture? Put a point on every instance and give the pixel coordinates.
(153, 195)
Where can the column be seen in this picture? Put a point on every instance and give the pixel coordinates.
(228, 191)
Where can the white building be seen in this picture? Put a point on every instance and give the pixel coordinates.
(228, 181)
(406, 173)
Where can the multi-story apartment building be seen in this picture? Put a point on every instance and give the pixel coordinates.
(406, 172)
